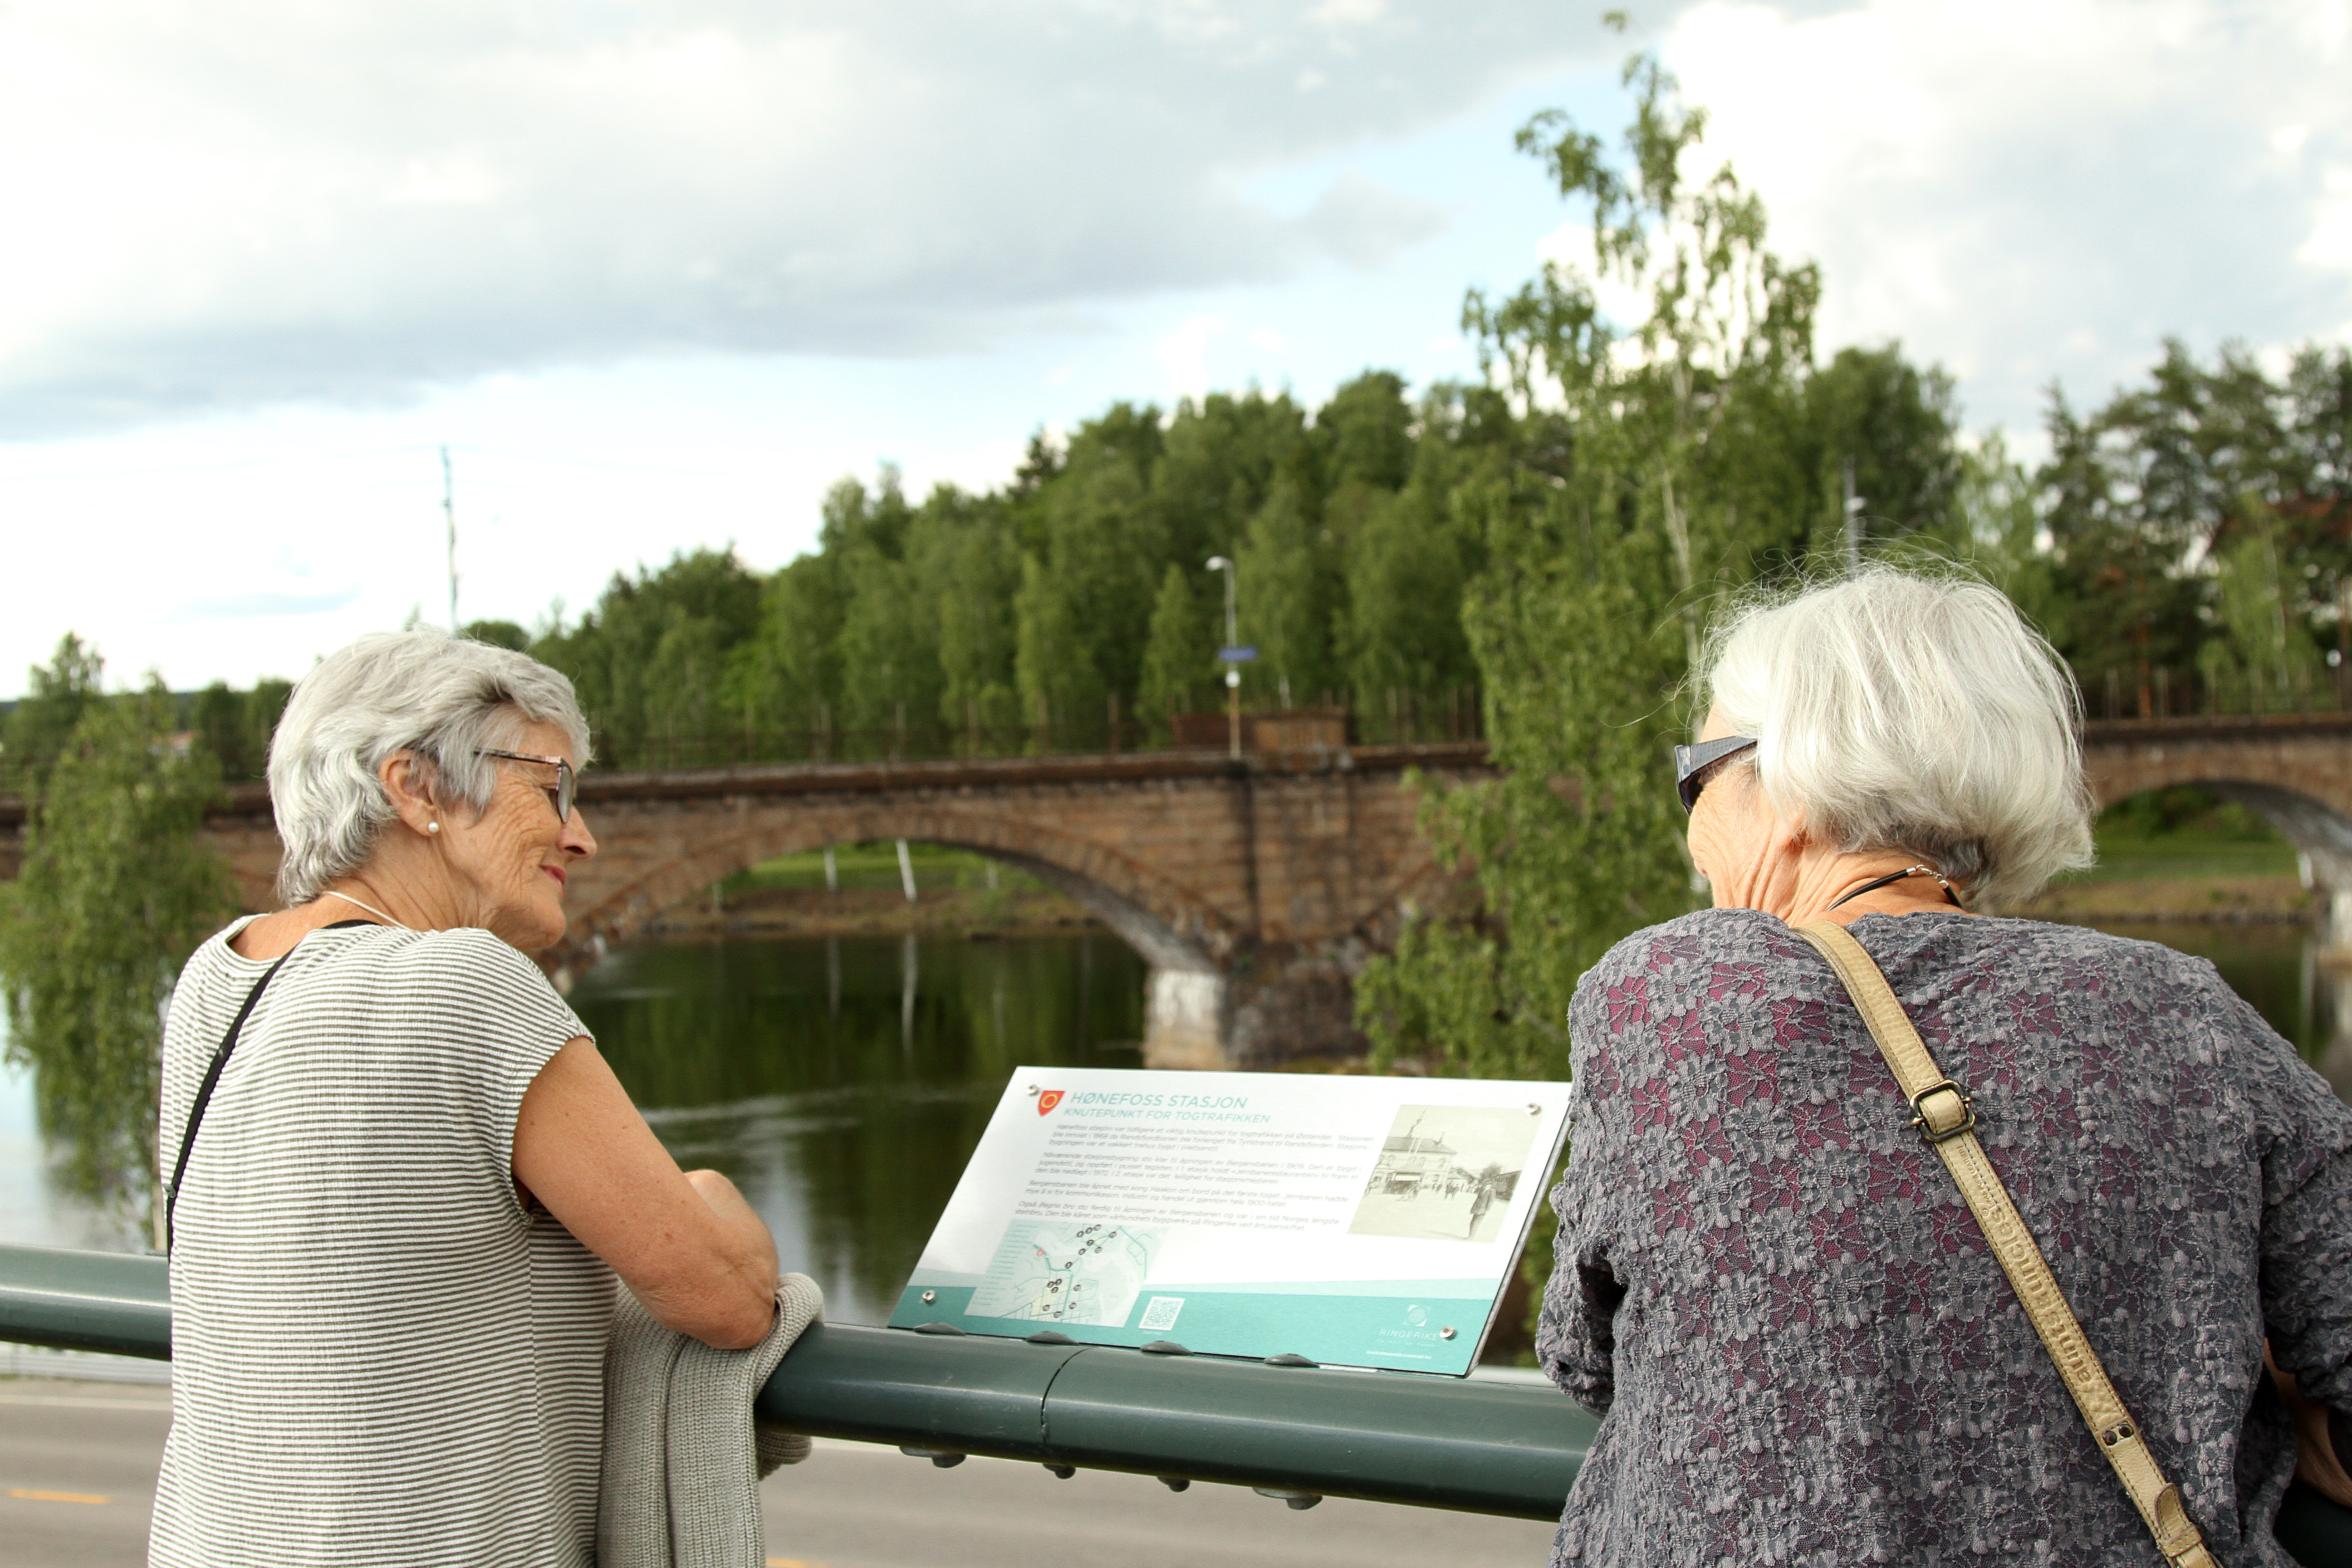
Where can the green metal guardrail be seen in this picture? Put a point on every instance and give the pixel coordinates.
(1296, 1431)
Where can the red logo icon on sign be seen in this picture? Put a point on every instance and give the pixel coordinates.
(1047, 1100)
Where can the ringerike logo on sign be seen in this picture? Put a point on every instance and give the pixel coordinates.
(1047, 1100)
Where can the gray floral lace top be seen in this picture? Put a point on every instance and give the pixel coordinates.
(1805, 1352)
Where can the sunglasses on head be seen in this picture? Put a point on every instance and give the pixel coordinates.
(1692, 763)
(561, 793)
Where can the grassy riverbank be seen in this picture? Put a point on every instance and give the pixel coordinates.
(2183, 855)
(957, 893)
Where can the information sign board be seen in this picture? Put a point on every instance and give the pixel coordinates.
(1354, 1221)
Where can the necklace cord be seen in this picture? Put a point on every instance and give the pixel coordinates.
(1897, 876)
(330, 893)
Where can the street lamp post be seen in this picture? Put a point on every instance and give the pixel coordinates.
(1234, 655)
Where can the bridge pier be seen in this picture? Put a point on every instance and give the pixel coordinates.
(1186, 1018)
(2323, 836)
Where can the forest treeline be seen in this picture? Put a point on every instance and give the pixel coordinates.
(2185, 545)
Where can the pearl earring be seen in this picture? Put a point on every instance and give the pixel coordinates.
(432, 827)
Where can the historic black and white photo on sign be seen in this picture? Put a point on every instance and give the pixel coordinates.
(1447, 1172)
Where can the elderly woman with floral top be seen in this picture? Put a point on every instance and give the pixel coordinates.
(1771, 1288)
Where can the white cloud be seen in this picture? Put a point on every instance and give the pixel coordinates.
(2030, 191)
(1182, 352)
(2330, 244)
(257, 200)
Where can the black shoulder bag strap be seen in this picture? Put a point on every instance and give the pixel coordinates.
(212, 1074)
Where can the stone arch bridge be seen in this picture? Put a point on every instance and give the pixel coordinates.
(1255, 888)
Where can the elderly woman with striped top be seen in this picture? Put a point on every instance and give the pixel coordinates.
(405, 1180)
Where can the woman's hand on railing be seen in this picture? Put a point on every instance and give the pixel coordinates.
(2323, 1438)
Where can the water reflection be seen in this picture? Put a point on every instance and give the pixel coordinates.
(844, 1082)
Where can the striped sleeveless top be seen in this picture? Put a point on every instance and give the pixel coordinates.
(378, 1356)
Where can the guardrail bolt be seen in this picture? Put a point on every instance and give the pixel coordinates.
(1175, 1483)
(943, 1460)
(929, 1297)
(1290, 1499)
(1063, 1471)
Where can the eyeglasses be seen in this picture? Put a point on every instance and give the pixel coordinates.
(561, 793)
(1692, 763)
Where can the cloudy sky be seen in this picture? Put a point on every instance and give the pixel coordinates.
(657, 271)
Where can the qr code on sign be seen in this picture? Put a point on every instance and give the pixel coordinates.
(1161, 1313)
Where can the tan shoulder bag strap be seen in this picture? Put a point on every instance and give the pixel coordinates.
(1945, 1117)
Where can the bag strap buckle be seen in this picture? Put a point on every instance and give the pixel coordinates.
(1947, 1117)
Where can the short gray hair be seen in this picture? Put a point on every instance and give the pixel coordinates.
(1911, 710)
(442, 696)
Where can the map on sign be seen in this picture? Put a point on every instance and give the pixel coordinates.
(1067, 1274)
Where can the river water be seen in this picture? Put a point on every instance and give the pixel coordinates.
(843, 1083)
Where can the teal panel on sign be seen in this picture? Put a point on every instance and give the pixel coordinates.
(1418, 1333)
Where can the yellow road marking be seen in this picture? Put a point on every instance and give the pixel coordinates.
(27, 1492)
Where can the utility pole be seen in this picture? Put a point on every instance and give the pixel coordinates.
(1234, 657)
(1853, 522)
(449, 516)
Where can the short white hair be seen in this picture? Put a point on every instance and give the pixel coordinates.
(442, 696)
(1910, 711)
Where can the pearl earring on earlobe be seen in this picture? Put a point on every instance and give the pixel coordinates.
(432, 827)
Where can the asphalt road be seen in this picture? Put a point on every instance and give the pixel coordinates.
(78, 1478)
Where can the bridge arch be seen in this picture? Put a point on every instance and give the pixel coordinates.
(1184, 940)
(2297, 783)
(1170, 926)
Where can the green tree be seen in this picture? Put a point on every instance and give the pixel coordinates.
(972, 569)
(1896, 424)
(38, 728)
(1214, 469)
(1289, 586)
(653, 662)
(115, 892)
(1179, 652)
(1407, 561)
(219, 720)
(1057, 685)
(1096, 542)
(2263, 658)
(498, 634)
(236, 726)
(789, 673)
(1366, 433)
(1614, 495)
(2148, 500)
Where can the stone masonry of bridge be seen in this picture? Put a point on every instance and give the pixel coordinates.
(1256, 888)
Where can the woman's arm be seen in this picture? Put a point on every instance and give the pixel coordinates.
(687, 1245)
